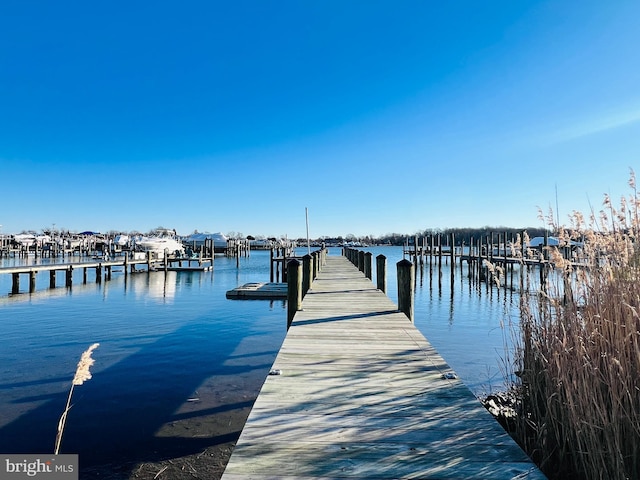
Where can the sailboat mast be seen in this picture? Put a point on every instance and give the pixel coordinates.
(306, 214)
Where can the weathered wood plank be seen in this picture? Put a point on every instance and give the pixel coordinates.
(362, 394)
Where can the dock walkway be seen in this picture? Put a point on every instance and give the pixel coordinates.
(358, 392)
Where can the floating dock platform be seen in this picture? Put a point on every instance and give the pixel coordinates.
(265, 290)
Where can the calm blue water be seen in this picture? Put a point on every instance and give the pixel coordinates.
(174, 348)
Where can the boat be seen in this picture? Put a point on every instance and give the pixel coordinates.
(121, 240)
(198, 239)
(25, 239)
(30, 240)
(159, 244)
(539, 242)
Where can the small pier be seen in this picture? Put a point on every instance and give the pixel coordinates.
(357, 392)
(151, 261)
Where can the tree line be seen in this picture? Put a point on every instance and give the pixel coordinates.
(460, 234)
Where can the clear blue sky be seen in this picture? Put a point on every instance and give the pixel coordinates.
(378, 116)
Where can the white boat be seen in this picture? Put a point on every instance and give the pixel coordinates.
(25, 239)
(538, 242)
(29, 240)
(159, 244)
(219, 240)
(121, 240)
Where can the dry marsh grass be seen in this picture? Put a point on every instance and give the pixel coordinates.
(82, 374)
(578, 351)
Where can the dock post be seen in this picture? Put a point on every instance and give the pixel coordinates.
(307, 274)
(69, 276)
(452, 241)
(213, 252)
(294, 289)
(271, 269)
(367, 265)
(406, 277)
(381, 273)
(452, 249)
(361, 260)
(315, 270)
(126, 264)
(431, 249)
(284, 265)
(99, 273)
(52, 279)
(15, 284)
(32, 281)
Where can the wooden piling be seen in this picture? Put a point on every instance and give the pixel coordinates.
(367, 265)
(406, 281)
(294, 289)
(381, 273)
(307, 273)
(15, 283)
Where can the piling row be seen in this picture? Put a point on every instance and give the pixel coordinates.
(300, 276)
(204, 259)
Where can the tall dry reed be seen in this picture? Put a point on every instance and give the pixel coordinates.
(578, 356)
(82, 375)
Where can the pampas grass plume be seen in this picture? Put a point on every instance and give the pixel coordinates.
(82, 375)
(82, 372)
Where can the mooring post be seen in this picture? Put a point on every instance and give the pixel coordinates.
(452, 249)
(69, 276)
(294, 289)
(381, 273)
(271, 266)
(307, 273)
(213, 251)
(32, 281)
(361, 260)
(15, 287)
(367, 265)
(52, 279)
(406, 280)
(315, 265)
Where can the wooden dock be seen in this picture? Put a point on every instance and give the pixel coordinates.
(151, 262)
(356, 391)
(260, 290)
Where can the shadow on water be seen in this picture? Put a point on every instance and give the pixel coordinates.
(116, 416)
